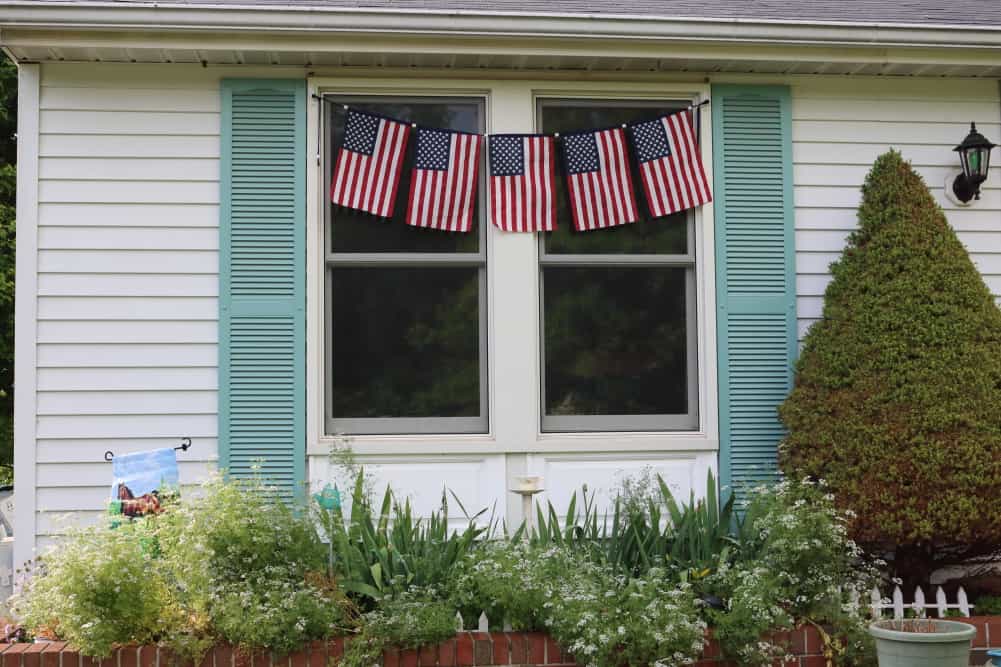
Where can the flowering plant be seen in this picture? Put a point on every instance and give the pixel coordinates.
(795, 564)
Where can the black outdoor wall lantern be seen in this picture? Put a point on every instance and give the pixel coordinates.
(975, 156)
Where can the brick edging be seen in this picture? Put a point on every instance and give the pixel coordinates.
(466, 649)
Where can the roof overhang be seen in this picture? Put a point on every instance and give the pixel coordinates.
(322, 36)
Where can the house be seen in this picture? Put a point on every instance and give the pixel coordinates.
(182, 274)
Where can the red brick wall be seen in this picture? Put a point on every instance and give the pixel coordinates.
(465, 650)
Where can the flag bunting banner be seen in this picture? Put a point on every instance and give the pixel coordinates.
(597, 164)
(670, 164)
(598, 179)
(369, 163)
(443, 182)
(522, 182)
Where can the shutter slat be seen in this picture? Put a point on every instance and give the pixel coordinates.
(755, 251)
(262, 283)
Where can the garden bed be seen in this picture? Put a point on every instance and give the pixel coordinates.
(467, 649)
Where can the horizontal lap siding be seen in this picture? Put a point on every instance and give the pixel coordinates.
(128, 277)
(840, 127)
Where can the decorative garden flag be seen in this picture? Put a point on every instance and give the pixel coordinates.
(369, 163)
(670, 164)
(598, 178)
(443, 187)
(142, 480)
(522, 182)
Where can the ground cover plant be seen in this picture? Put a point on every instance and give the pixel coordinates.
(897, 397)
(636, 586)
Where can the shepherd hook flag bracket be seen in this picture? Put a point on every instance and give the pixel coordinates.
(184, 446)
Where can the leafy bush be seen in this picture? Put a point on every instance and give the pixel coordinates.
(412, 619)
(605, 619)
(249, 568)
(795, 564)
(100, 589)
(501, 579)
(897, 399)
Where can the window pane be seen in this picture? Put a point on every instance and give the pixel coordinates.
(615, 341)
(666, 235)
(405, 342)
(353, 231)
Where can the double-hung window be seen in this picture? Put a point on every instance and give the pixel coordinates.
(618, 315)
(405, 308)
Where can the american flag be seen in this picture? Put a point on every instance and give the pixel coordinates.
(601, 187)
(670, 164)
(522, 182)
(443, 186)
(369, 163)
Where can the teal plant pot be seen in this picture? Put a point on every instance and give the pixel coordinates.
(946, 645)
(995, 657)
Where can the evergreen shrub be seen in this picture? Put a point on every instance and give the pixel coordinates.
(897, 398)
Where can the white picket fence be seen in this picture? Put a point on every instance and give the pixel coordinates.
(921, 605)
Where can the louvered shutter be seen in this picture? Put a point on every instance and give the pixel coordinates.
(756, 288)
(262, 313)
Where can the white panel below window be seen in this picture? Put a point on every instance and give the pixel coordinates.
(477, 481)
(603, 474)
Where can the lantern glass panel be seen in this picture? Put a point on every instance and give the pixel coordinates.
(980, 161)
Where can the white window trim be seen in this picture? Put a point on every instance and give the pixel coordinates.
(513, 326)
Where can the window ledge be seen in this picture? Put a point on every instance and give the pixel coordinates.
(544, 443)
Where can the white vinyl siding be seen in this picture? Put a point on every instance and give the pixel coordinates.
(841, 126)
(127, 277)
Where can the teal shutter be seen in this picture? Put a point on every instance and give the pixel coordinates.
(756, 281)
(262, 305)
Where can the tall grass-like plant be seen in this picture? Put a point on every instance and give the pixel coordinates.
(647, 530)
(385, 551)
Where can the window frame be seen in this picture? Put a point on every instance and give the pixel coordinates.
(362, 426)
(572, 424)
(513, 309)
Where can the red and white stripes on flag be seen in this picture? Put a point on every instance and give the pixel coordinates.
(369, 163)
(522, 182)
(443, 185)
(670, 164)
(598, 178)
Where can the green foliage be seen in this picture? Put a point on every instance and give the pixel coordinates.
(795, 563)
(988, 605)
(409, 620)
(234, 564)
(382, 554)
(8, 179)
(647, 528)
(605, 619)
(897, 400)
(499, 578)
(248, 568)
(100, 589)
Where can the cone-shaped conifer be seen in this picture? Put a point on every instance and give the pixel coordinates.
(897, 399)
